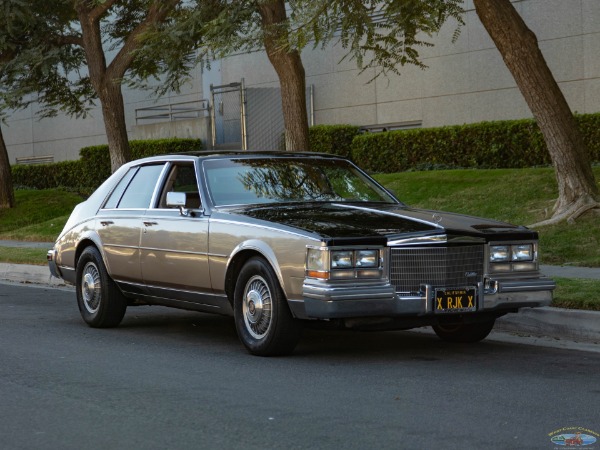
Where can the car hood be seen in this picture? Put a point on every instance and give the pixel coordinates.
(389, 221)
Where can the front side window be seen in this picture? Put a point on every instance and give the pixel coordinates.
(181, 178)
(138, 193)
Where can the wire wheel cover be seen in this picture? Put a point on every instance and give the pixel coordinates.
(91, 289)
(257, 307)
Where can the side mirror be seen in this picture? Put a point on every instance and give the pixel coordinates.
(177, 200)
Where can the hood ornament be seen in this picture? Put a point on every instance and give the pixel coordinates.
(437, 218)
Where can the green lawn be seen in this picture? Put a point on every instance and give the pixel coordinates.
(521, 196)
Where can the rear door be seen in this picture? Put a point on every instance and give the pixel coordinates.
(119, 223)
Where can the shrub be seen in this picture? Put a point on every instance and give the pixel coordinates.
(335, 139)
(489, 145)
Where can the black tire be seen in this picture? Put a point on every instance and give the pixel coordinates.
(101, 303)
(263, 320)
(464, 332)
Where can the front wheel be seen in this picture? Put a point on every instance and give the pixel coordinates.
(263, 319)
(101, 303)
(464, 332)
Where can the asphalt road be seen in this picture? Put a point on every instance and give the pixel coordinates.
(169, 379)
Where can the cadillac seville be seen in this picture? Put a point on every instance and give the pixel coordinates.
(277, 240)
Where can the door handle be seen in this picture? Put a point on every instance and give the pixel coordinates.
(149, 224)
(106, 223)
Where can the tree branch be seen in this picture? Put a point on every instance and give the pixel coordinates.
(158, 13)
(100, 10)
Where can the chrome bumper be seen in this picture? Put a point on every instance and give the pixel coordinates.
(51, 257)
(322, 301)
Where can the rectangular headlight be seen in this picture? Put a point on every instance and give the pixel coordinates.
(342, 259)
(499, 253)
(522, 252)
(367, 258)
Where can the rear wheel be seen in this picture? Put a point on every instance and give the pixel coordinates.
(101, 303)
(464, 332)
(263, 319)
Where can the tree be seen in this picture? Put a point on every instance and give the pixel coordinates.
(386, 35)
(288, 65)
(215, 29)
(89, 31)
(7, 196)
(31, 70)
(125, 21)
(577, 189)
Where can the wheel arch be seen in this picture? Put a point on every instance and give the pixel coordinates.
(86, 242)
(240, 256)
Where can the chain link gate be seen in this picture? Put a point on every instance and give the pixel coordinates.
(228, 116)
(250, 118)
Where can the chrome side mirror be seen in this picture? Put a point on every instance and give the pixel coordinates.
(177, 200)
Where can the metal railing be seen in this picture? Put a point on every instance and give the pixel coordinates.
(170, 112)
(34, 159)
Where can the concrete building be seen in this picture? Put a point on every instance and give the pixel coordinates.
(466, 81)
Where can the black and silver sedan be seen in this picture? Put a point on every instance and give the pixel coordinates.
(279, 239)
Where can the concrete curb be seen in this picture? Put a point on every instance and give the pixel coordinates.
(558, 323)
(25, 273)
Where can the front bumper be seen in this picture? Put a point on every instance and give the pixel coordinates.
(322, 301)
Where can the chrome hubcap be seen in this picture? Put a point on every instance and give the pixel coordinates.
(90, 288)
(256, 307)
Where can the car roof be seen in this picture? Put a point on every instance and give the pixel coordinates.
(216, 154)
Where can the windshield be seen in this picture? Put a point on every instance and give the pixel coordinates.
(282, 180)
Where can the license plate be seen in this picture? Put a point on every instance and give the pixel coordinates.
(455, 300)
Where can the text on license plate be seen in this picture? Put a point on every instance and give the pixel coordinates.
(455, 300)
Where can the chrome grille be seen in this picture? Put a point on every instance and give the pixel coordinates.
(439, 267)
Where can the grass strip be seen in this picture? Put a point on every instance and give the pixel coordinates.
(23, 255)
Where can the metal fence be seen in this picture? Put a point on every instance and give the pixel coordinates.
(172, 111)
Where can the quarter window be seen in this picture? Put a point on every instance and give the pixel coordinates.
(139, 191)
(114, 198)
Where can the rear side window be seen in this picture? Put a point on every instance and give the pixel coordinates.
(138, 188)
(114, 198)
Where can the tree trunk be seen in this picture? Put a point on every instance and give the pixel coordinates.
(113, 113)
(107, 87)
(518, 46)
(289, 68)
(7, 195)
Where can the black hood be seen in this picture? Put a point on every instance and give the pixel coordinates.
(377, 221)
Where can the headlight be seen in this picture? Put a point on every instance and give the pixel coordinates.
(522, 252)
(325, 263)
(513, 257)
(499, 253)
(367, 258)
(341, 259)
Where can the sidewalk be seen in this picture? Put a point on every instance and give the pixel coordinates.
(558, 323)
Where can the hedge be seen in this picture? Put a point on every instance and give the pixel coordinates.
(87, 173)
(336, 139)
(96, 159)
(490, 145)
